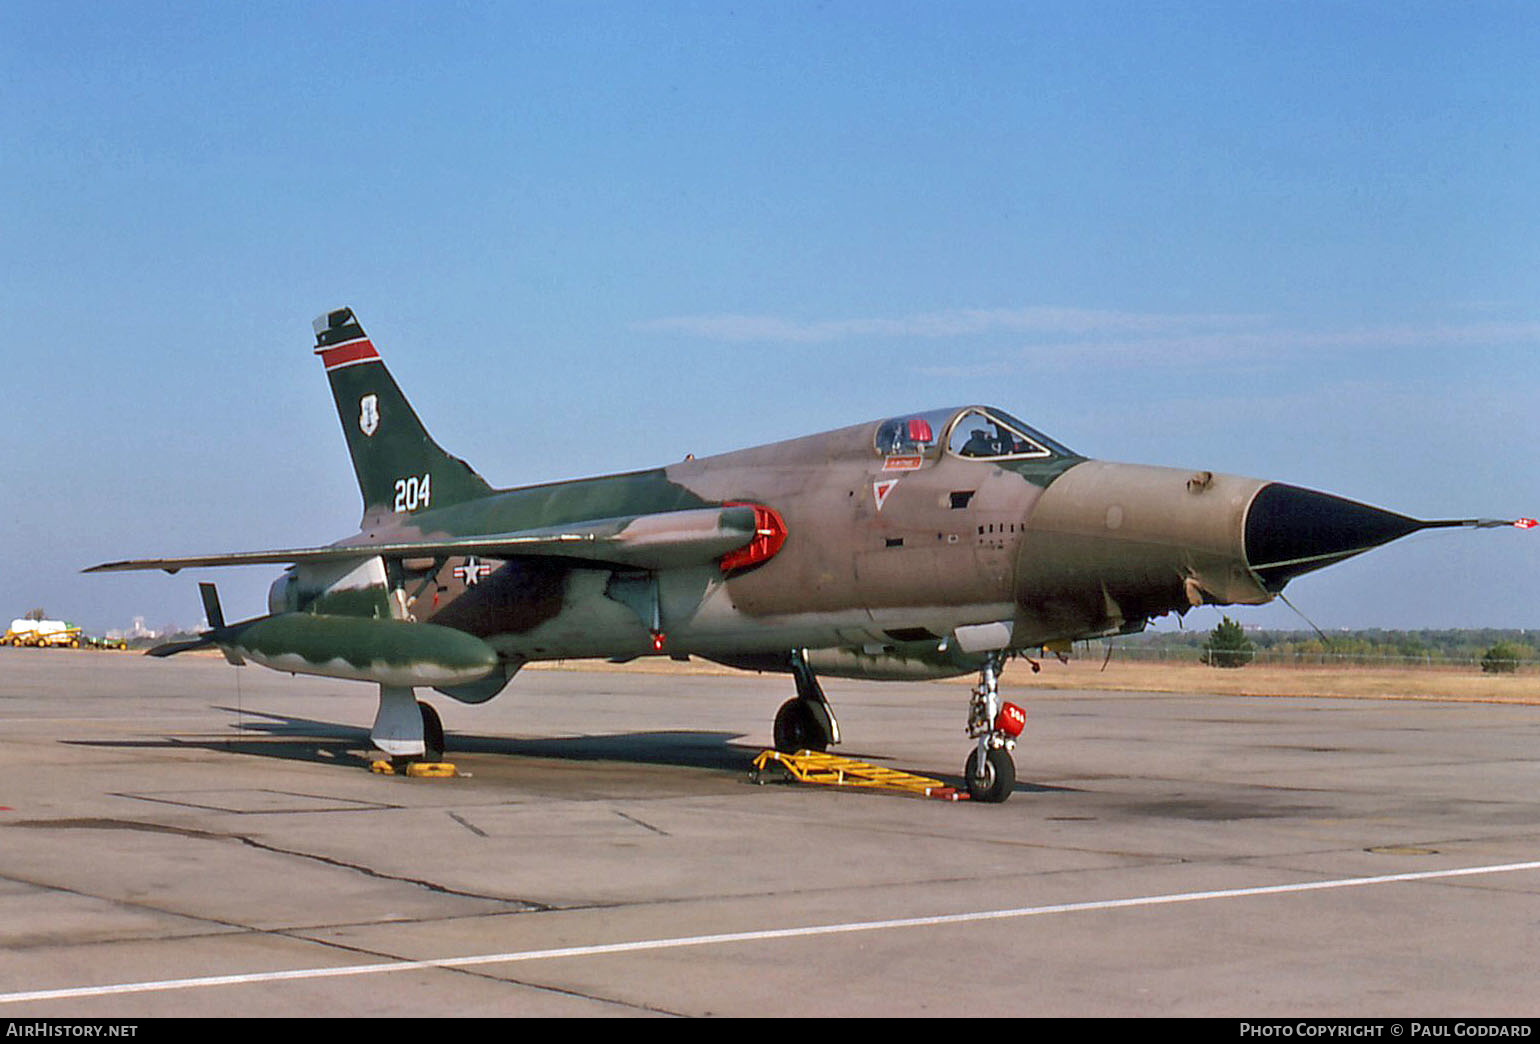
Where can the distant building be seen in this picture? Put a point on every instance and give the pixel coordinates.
(139, 630)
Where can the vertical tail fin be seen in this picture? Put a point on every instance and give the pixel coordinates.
(215, 617)
(400, 468)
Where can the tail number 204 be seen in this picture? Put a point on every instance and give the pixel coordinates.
(413, 492)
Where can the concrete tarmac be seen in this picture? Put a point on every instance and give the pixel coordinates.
(179, 837)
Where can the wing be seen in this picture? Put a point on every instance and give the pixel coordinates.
(663, 540)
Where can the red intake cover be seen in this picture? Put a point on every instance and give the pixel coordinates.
(1011, 720)
(770, 534)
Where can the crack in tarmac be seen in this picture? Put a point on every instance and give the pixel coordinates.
(208, 835)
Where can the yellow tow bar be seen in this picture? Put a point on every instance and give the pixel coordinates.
(806, 766)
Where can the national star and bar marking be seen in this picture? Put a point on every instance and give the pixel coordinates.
(472, 571)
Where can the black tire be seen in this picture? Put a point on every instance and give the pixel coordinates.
(798, 726)
(994, 781)
(432, 733)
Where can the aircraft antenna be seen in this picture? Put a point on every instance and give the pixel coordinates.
(1480, 523)
(1322, 634)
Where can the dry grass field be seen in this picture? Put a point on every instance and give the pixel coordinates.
(1350, 682)
(1405, 683)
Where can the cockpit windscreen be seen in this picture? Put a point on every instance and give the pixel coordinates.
(974, 432)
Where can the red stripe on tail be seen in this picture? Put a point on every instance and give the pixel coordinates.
(347, 354)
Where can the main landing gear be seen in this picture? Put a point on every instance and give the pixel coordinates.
(406, 728)
(990, 773)
(806, 722)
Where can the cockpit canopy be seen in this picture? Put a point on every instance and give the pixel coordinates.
(973, 432)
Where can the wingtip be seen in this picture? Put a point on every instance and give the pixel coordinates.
(172, 648)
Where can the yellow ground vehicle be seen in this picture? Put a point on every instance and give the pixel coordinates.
(43, 633)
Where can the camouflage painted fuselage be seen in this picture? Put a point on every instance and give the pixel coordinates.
(875, 556)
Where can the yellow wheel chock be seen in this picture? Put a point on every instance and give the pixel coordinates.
(807, 766)
(415, 769)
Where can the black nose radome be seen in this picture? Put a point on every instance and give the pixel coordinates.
(1290, 531)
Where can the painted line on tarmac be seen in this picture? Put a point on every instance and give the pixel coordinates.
(645, 945)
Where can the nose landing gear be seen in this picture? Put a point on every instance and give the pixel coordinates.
(990, 773)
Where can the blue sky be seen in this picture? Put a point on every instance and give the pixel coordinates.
(1296, 241)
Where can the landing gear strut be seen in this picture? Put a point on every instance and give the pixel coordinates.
(406, 728)
(990, 773)
(806, 722)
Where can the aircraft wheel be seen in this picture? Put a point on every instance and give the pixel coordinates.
(432, 733)
(994, 780)
(797, 727)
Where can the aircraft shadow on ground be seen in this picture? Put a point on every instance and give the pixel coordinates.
(290, 738)
(294, 738)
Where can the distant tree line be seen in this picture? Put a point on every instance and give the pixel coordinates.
(1495, 650)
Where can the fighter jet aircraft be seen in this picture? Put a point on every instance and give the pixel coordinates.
(923, 545)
